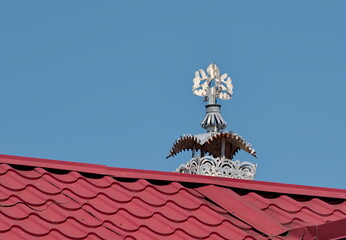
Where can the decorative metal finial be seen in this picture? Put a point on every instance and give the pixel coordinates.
(213, 152)
(202, 82)
(222, 89)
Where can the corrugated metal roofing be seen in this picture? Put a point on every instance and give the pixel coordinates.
(46, 199)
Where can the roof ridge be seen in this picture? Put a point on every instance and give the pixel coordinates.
(176, 177)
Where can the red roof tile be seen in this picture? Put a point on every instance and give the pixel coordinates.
(46, 199)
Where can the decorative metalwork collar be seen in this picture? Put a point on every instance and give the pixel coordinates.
(212, 152)
(219, 168)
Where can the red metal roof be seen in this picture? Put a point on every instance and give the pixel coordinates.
(46, 199)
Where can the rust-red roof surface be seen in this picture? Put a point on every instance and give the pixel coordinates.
(46, 199)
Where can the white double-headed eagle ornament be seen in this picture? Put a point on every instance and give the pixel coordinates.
(202, 84)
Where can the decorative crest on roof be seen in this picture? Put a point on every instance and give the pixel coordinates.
(216, 148)
(221, 87)
(202, 84)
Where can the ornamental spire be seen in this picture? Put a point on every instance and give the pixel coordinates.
(213, 152)
(212, 85)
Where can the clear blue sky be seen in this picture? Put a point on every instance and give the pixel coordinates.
(109, 82)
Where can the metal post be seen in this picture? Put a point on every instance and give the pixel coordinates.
(223, 146)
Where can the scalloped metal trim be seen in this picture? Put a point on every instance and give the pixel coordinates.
(189, 142)
(219, 167)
